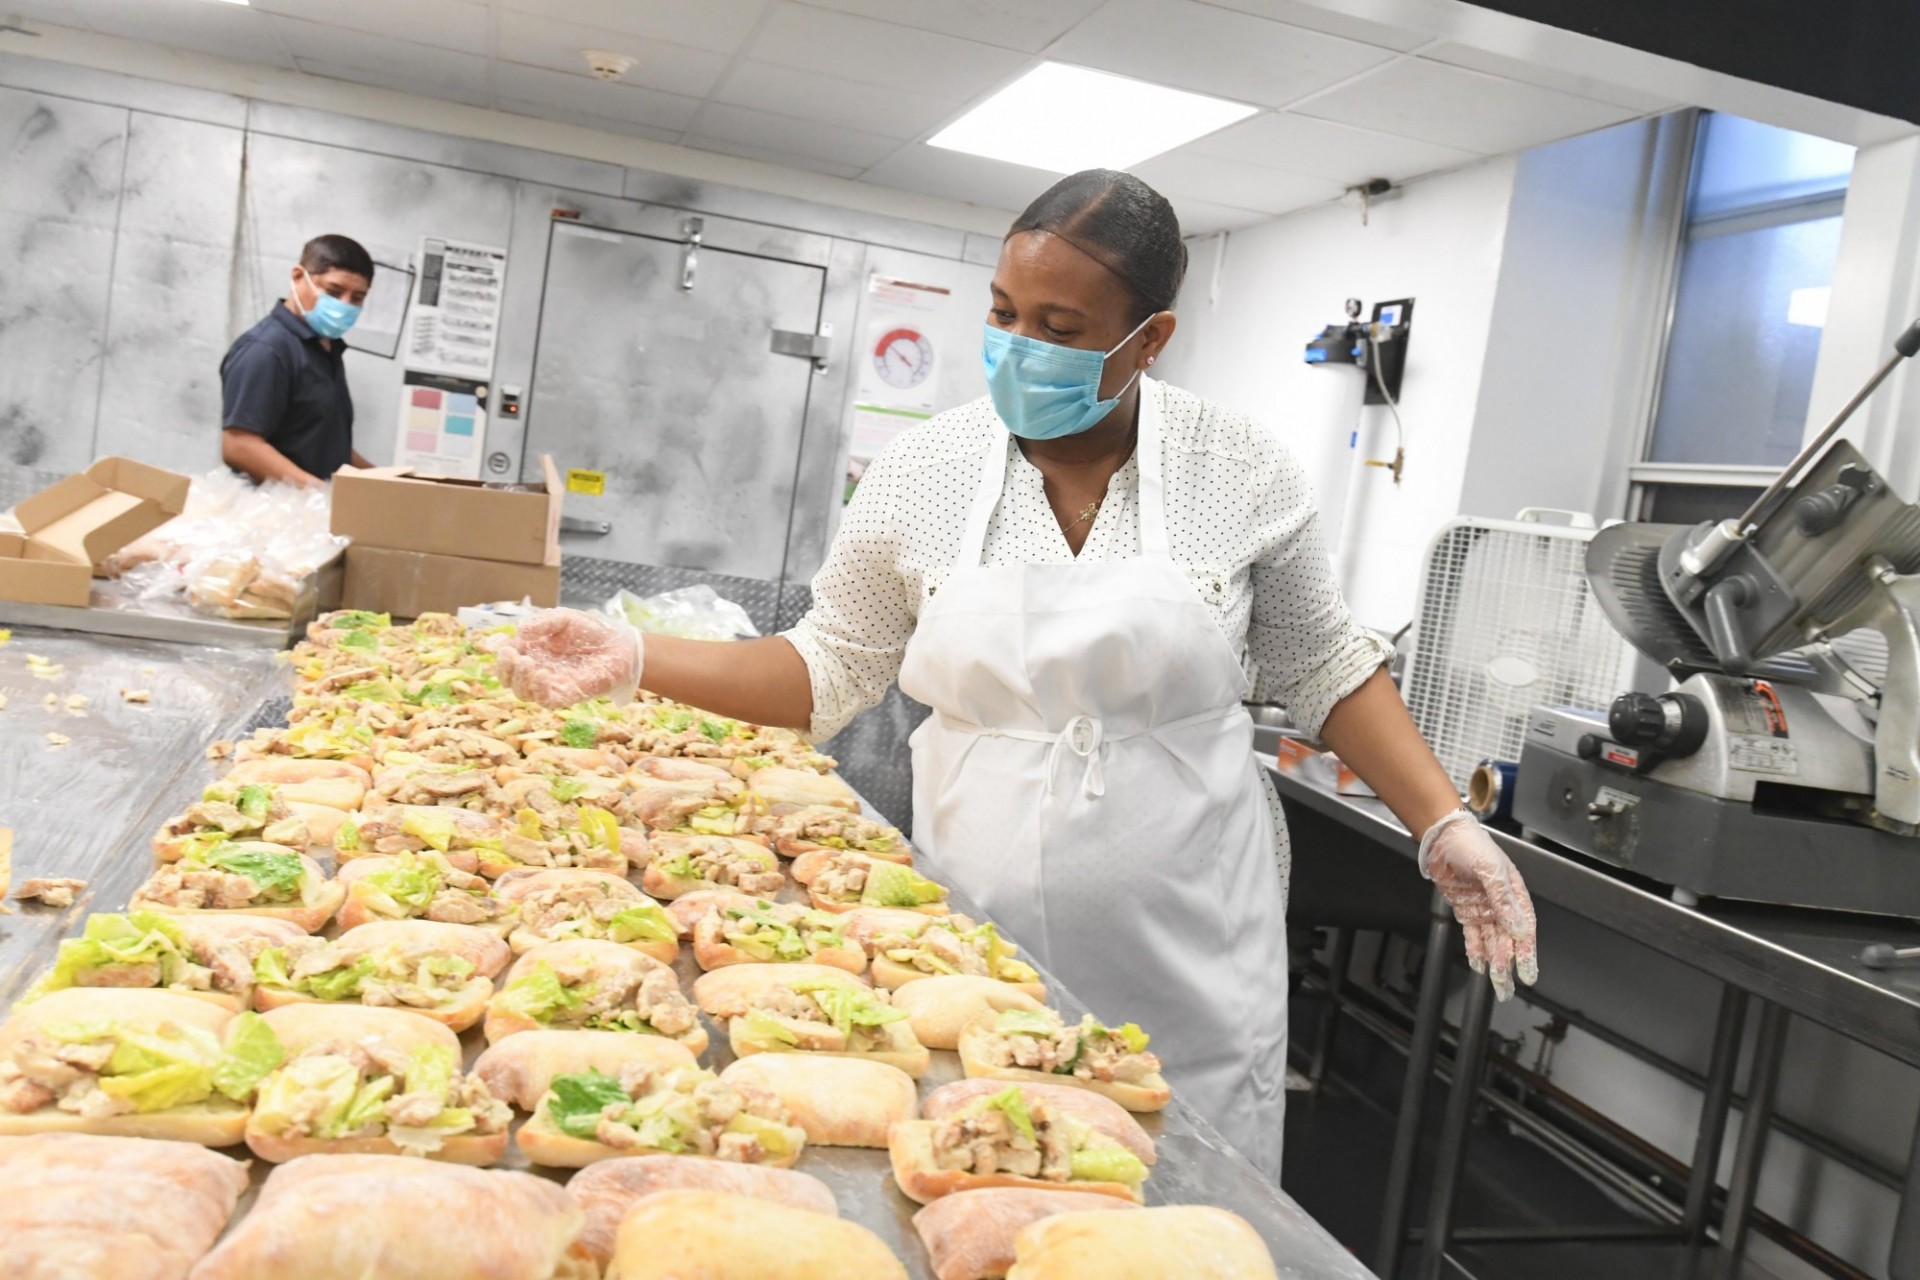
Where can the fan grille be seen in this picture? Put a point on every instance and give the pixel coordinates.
(1506, 624)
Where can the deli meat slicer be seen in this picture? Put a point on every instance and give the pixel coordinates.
(1782, 767)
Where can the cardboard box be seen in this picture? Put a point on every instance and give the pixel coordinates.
(1299, 758)
(69, 527)
(407, 584)
(392, 508)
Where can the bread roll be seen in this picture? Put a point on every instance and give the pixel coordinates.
(1150, 1094)
(726, 993)
(782, 790)
(607, 1190)
(521, 1068)
(518, 886)
(688, 909)
(352, 1217)
(940, 1008)
(840, 1102)
(333, 783)
(969, 1235)
(319, 899)
(483, 950)
(716, 1236)
(1190, 1241)
(594, 956)
(1095, 1110)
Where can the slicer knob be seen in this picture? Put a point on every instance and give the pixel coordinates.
(1673, 724)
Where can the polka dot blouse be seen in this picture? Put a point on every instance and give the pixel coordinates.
(1240, 521)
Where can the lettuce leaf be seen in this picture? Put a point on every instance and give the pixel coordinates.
(574, 1102)
(579, 734)
(253, 800)
(431, 1070)
(339, 984)
(777, 1140)
(433, 827)
(363, 640)
(1108, 1163)
(367, 1106)
(850, 1007)
(600, 827)
(347, 839)
(288, 1093)
(278, 872)
(1012, 1104)
(138, 938)
(715, 820)
(646, 923)
(891, 885)
(411, 884)
(717, 731)
(158, 1070)
(1026, 1022)
(360, 620)
(253, 1052)
(764, 1032)
(270, 968)
(567, 790)
(539, 995)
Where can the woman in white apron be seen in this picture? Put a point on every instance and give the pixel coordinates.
(1075, 573)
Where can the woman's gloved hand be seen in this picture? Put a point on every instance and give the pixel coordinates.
(1488, 898)
(559, 657)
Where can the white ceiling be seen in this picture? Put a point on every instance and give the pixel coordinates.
(853, 87)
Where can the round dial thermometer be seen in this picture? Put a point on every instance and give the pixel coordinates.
(903, 357)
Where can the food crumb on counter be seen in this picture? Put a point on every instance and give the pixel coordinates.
(3, 702)
(58, 740)
(41, 668)
(146, 671)
(219, 750)
(5, 635)
(136, 695)
(51, 702)
(76, 701)
(52, 891)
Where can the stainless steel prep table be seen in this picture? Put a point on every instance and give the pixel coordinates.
(127, 768)
(1797, 963)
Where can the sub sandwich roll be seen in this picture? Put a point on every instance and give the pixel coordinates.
(684, 864)
(838, 1102)
(569, 760)
(335, 784)
(939, 1009)
(420, 886)
(588, 985)
(372, 1082)
(689, 909)
(953, 945)
(250, 811)
(782, 791)
(717, 1236)
(828, 1018)
(522, 1067)
(866, 925)
(408, 778)
(609, 1188)
(1194, 1242)
(1012, 1138)
(586, 836)
(460, 836)
(1040, 1048)
(730, 992)
(440, 971)
(131, 1064)
(1090, 1108)
(590, 1116)
(844, 881)
(969, 1235)
(812, 828)
(81, 1207)
(353, 1217)
(146, 950)
(246, 877)
(762, 932)
(573, 903)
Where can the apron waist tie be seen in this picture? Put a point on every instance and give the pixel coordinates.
(1084, 736)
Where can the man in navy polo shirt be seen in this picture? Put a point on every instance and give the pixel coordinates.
(285, 410)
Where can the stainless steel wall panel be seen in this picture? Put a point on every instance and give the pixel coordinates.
(59, 203)
(168, 327)
(108, 88)
(473, 154)
(820, 468)
(787, 211)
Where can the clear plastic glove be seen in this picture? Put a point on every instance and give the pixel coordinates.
(1488, 898)
(559, 657)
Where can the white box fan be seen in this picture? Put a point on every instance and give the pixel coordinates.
(1506, 623)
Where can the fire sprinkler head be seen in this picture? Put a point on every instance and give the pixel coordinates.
(607, 65)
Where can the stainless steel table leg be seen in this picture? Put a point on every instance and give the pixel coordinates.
(1762, 1082)
(1713, 1112)
(1442, 938)
(1339, 960)
(1903, 1257)
(1451, 1154)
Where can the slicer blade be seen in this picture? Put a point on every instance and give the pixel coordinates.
(1623, 568)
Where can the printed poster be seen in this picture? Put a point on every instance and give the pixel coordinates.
(452, 334)
(897, 366)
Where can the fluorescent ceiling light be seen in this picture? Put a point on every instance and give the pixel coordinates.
(1809, 306)
(1069, 118)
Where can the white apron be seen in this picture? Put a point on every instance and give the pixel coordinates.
(1088, 779)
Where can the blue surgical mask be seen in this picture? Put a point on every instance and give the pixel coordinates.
(1042, 390)
(329, 316)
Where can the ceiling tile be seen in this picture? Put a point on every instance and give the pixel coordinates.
(1230, 182)
(1322, 149)
(420, 80)
(784, 134)
(720, 26)
(954, 175)
(747, 151)
(585, 119)
(558, 46)
(1537, 73)
(1459, 108)
(226, 30)
(312, 43)
(881, 53)
(1218, 51)
(1204, 218)
(892, 113)
(540, 87)
(1305, 13)
(1027, 25)
(447, 24)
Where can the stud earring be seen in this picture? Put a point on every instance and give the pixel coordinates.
(1151, 359)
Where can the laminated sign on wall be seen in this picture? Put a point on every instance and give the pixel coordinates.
(448, 357)
(897, 366)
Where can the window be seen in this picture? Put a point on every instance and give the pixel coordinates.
(1759, 236)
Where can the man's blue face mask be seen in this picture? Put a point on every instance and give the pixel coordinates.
(328, 316)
